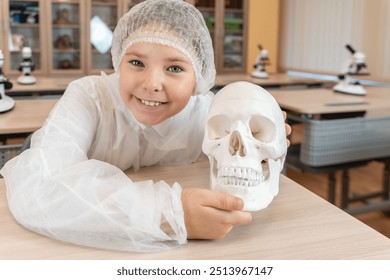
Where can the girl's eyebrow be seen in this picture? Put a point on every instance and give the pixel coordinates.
(172, 59)
(134, 53)
(179, 59)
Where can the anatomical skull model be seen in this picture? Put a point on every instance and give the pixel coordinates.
(245, 140)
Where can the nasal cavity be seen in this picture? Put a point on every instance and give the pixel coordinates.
(236, 146)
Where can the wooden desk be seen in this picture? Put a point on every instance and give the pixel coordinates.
(26, 117)
(43, 85)
(274, 80)
(297, 225)
(315, 101)
(359, 136)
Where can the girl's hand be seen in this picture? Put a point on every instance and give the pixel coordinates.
(211, 215)
(288, 128)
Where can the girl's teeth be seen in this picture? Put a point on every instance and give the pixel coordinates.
(150, 103)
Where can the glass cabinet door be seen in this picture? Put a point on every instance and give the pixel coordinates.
(234, 36)
(67, 53)
(208, 10)
(225, 20)
(24, 29)
(103, 17)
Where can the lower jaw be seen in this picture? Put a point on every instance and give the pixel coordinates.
(255, 198)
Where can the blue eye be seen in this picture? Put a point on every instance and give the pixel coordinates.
(137, 63)
(175, 69)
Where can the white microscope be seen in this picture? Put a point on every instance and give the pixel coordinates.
(6, 102)
(26, 67)
(261, 61)
(353, 67)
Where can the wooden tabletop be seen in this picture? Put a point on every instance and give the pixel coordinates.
(274, 80)
(297, 225)
(27, 116)
(43, 84)
(326, 101)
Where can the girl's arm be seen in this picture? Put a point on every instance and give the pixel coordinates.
(55, 190)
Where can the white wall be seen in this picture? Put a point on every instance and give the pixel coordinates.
(314, 33)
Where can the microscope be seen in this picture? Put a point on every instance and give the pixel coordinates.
(353, 67)
(261, 61)
(26, 67)
(6, 102)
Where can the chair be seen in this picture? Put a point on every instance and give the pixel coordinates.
(10, 151)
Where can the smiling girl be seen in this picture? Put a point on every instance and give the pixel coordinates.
(70, 185)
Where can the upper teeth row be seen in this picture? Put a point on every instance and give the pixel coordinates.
(150, 103)
(240, 176)
(241, 172)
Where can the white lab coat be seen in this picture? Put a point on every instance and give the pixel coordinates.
(70, 184)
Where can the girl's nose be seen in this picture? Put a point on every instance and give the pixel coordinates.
(153, 81)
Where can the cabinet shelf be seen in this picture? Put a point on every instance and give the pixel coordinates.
(104, 3)
(66, 26)
(24, 25)
(66, 51)
(37, 51)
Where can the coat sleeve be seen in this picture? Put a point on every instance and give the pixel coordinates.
(55, 190)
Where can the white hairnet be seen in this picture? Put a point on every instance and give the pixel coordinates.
(174, 23)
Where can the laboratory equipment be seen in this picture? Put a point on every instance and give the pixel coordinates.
(352, 67)
(261, 61)
(26, 66)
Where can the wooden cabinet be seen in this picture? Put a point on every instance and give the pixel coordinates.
(72, 37)
(66, 36)
(226, 20)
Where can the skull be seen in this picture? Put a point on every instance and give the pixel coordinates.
(245, 140)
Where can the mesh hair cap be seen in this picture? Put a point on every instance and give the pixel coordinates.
(174, 23)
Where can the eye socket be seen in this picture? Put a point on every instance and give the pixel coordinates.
(262, 129)
(218, 127)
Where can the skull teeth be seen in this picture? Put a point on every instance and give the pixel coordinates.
(240, 176)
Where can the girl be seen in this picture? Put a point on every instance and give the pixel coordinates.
(70, 184)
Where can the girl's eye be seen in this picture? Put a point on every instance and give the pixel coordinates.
(137, 63)
(175, 69)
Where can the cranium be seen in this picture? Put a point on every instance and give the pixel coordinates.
(245, 140)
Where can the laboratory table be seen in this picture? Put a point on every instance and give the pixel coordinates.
(297, 225)
(341, 131)
(27, 116)
(44, 85)
(275, 80)
(314, 102)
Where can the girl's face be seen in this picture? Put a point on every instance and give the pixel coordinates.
(155, 81)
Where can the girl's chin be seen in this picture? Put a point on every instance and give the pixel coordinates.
(148, 120)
